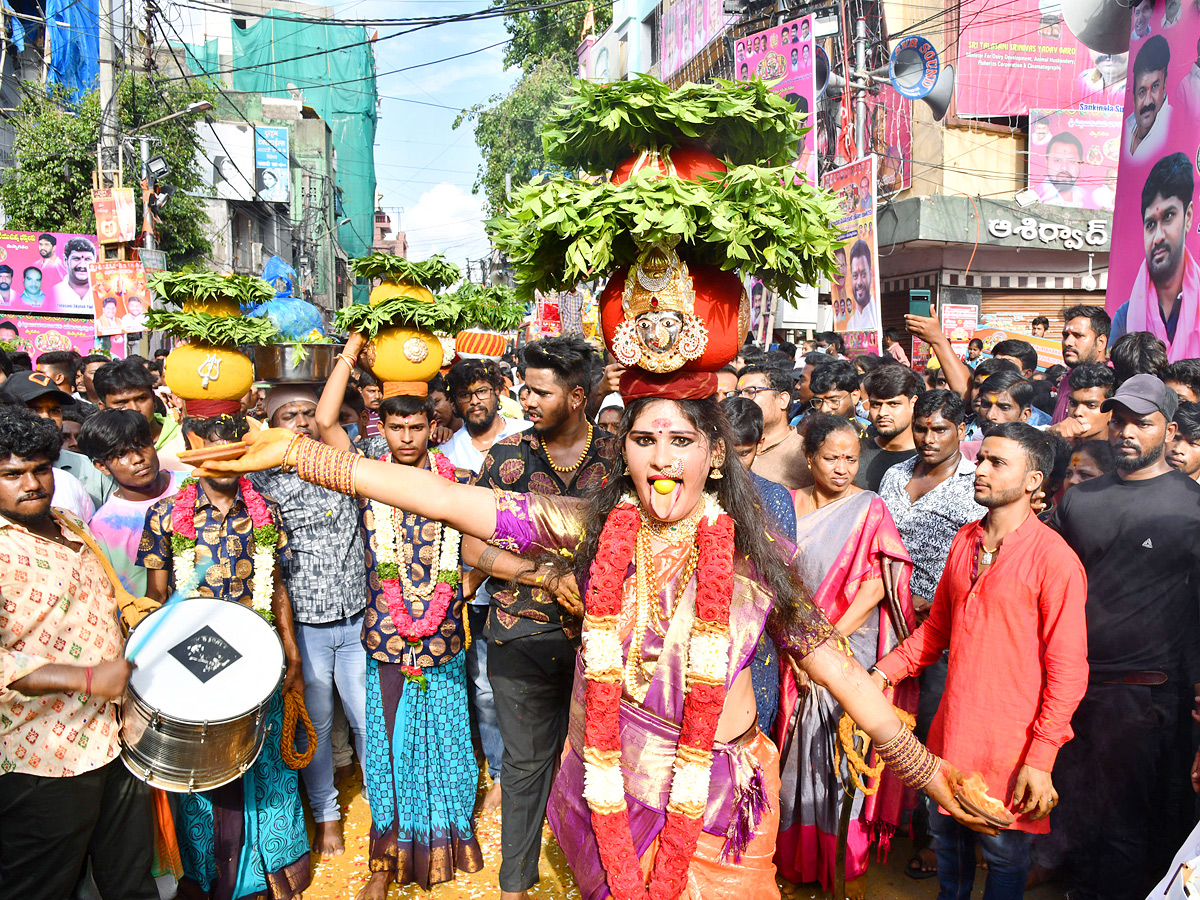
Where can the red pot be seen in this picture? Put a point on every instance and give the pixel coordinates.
(691, 164)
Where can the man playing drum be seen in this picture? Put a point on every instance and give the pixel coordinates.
(64, 795)
(218, 537)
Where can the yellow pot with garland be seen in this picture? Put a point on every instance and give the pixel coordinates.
(403, 354)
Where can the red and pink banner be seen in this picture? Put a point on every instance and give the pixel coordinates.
(1019, 54)
(685, 29)
(1154, 284)
(855, 290)
(1073, 155)
(45, 272)
(41, 334)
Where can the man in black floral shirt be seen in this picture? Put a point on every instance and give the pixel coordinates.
(531, 658)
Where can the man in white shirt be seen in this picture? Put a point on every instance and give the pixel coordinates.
(474, 386)
(73, 292)
(1064, 160)
(865, 316)
(1188, 90)
(1147, 126)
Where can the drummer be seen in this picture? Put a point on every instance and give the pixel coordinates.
(327, 585)
(65, 798)
(248, 835)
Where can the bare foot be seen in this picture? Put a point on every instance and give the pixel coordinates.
(342, 773)
(328, 839)
(856, 888)
(491, 800)
(376, 887)
(923, 864)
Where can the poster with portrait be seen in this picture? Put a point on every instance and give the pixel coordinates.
(1026, 57)
(762, 309)
(782, 57)
(45, 272)
(120, 297)
(116, 218)
(686, 28)
(225, 160)
(855, 289)
(271, 170)
(1073, 155)
(959, 322)
(1154, 221)
(37, 334)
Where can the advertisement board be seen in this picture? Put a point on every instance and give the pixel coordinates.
(959, 324)
(1073, 155)
(271, 168)
(1154, 285)
(120, 297)
(1026, 57)
(45, 272)
(782, 57)
(225, 160)
(116, 219)
(855, 291)
(686, 28)
(1049, 350)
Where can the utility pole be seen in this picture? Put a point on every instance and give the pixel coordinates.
(862, 79)
(109, 149)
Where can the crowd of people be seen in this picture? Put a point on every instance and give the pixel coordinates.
(1008, 550)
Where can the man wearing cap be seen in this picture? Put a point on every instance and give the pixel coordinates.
(1124, 778)
(38, 392)
(327, 583)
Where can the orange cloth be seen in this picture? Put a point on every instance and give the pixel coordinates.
(711, 878)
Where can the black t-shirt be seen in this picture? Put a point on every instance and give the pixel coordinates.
(1140, 544)
(873, 462)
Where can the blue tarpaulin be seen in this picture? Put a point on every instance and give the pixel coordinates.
(73, 30)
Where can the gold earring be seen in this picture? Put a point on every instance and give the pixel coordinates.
(715, 473)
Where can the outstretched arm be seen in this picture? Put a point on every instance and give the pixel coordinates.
(851, 686)
(329, 407)
(929, 329)
(466, 508)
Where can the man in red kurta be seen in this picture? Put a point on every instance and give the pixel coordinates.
(1010, 608)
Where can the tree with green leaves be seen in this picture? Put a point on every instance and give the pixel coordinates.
(508, 130)
(50, 186)
(549, 33)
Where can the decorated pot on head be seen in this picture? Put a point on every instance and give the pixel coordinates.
(691, 192)
(208, 370)
(490, 313)
(402, 319)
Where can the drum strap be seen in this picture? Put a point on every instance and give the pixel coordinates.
(133, 609)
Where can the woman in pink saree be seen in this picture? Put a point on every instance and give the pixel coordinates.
(845, 539)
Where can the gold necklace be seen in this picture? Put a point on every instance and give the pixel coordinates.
(577, 463)
(681, 532)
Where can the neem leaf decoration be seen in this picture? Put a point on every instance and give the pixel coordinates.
(559, 232)
(494, 306)
(197, 285)
(442, 315)
(202, 328)
(434, 274)
(600, 125)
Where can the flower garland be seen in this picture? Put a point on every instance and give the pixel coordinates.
(437, 601)
(266, 537)
(708, 669)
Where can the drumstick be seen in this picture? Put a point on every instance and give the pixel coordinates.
(124, 598)
(139, 637)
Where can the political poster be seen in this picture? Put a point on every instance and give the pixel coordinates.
(1154, 284)
(860, 342)
(1073, 155)
(271, 167)
(116, 218)
(37, 334)
(959, 323)
(1026, 57)
(225, 160)
(119, 297)
(782, 57)
(855, 289)
(686, 28)
(45, 272)
(1049, 350)
(762, 308)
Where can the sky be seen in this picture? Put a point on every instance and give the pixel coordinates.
(424, 167)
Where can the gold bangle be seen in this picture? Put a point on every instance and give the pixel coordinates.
(347, 360)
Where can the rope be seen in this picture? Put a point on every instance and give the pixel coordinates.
(847, 742)
(294, 711)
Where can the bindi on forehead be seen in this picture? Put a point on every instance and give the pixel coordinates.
(662, 424)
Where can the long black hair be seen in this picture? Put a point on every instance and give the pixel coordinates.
(793, 610)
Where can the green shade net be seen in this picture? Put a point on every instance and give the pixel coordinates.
(334, 68)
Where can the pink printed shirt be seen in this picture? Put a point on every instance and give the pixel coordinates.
(57, 607)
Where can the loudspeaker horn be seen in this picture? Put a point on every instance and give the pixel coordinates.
(1102, 26)
(938, 99)
(826, 81)
(914, 67)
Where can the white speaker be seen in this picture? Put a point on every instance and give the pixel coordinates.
(826, 81)
(938, 99)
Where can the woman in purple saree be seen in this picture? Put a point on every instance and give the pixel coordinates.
(846, 538)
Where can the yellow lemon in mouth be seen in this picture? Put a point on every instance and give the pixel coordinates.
(664, 485)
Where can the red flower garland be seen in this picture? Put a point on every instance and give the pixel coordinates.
(701, 710)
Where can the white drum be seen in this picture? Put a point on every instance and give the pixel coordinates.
(194, 710)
